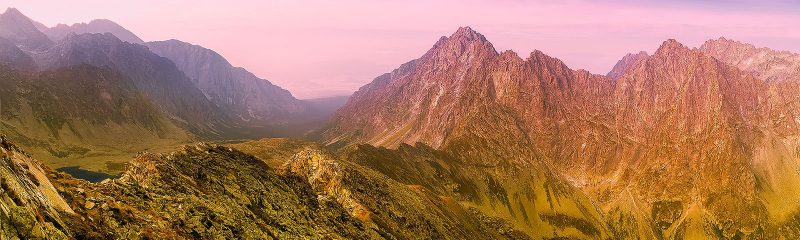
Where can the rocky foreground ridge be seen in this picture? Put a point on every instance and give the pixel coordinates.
(209, 191)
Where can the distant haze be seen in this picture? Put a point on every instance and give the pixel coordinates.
(327, 48)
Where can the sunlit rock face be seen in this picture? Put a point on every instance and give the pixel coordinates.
(680, 143)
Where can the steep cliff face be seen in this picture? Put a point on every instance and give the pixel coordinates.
(697, 149)
(773, 159)
(30, 206)
(245, 96)
(687, 126)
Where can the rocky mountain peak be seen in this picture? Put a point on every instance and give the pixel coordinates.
(466, 33)
(629, 61)
(637, 55)
(103, 21)
(14, 13)
(541, 57)
(88, 40)
(768, 64)
(60, 31)
(722, 44)
(464, 42)
(672, 47)
(12, 17)
(21, 30)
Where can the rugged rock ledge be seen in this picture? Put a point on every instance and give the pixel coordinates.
(209, 191)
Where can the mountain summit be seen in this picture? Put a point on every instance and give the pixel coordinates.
(627, 62)
(495, 112)
(463, 45)
(21, 30)
(435, 97)
(775, 66)
(95, 26)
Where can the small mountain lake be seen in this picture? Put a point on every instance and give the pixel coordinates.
(87, 175)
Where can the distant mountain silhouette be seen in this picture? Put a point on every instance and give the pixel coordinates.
(61, 31)
(245, 96)
(21, 31)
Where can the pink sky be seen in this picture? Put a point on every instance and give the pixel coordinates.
(328, 48)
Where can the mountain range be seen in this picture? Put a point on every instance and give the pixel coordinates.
(464, 142)
(195, 91)
(680, 144)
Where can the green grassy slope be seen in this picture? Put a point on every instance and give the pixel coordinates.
(82, 115)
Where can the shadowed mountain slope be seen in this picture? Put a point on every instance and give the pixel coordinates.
(248, 98)
(81, 111)
(155, 76)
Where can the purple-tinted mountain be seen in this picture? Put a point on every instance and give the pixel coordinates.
(203, 92)
(61, 31)
(245, 96)
(12, 55)
(21, 31)
(155, 76)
